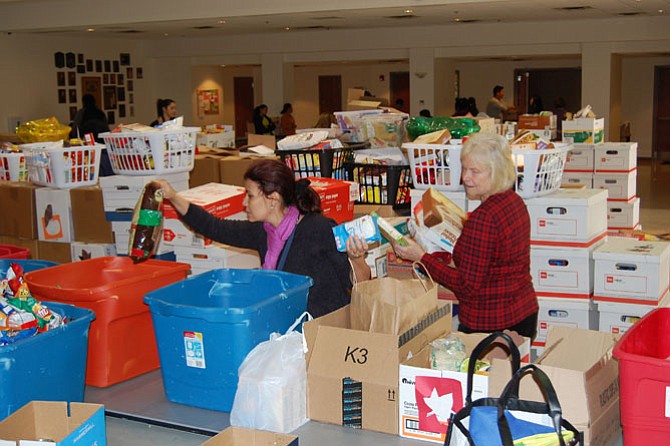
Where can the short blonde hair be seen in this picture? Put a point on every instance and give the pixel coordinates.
(492, 151)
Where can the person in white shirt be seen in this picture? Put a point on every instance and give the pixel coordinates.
(496, 108)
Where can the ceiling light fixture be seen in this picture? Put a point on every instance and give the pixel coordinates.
(287, 28)
(222, 22)
(90, 30)
(409, 11)
(165, 34)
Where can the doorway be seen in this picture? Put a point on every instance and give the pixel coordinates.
(548, 84)
(243, 91)
(660, 142)
(330, 94)
(399, 85)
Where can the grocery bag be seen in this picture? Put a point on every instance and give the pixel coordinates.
(392, 306)
(272, 390)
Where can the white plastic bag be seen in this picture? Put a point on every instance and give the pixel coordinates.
(272, 390)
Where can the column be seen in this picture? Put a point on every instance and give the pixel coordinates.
(272, 79)
(601, 84)
(421, 79)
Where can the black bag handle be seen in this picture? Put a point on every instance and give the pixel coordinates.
(481, 347)
(510, 396)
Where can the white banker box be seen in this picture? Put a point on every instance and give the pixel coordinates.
(575, 313)
(573, 217)
(616, 156)
(631, 270)
(621, 186)
(580, 158)
(618, 317)
(585, 178)
(623, 214)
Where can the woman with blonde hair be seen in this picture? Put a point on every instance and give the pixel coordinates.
(489, 270)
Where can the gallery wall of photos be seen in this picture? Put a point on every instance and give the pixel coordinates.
(111, 82)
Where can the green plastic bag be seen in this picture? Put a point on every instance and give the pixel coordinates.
(458, 127)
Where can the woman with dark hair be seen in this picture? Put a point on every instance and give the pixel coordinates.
(286, 227)
(535, 105)
(462, 108)
(90, 119)
(263, 125)
(166, 110)
(287, 121)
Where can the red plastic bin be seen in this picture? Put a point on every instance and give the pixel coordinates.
(644, 380)
(14, 252)
(121, 342)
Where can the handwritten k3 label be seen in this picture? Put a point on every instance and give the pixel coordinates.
(357, 355)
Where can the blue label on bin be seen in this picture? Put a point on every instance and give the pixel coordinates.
(195, 349)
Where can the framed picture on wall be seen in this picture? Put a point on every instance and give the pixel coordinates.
(89, 64)
(81, 69)
(124, 58)
(92, 85)
(98, 66)
(112, 79)
(70, 60)
(131, 98)
(122, 111)
(131, 111)
(119, 79)
(139, 72)
(115, 66)
(105, 78)
(109, 97)
(110, 117)
(121, 94)
(73, 112)
(72, 96)
(71, 78)
(108, 65)
(130, 86)
(60, 78)
(80, 58)
(129, 72)
(62, 96)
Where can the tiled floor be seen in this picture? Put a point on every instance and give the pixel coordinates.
(653, 186)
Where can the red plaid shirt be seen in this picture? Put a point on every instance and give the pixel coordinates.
(492, 256)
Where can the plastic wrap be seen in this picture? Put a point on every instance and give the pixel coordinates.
(41, 130)
(458, 127)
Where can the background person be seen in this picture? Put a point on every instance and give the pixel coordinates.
(90, 119)
(284, 212)
(425, 113)
(263, 125)
(287, 121)
(489, 271)
(535, 105)
(496, 107)
(166, 110)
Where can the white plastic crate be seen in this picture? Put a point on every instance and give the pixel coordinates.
(50, 164)
(539, 172)
(148, 153)
(13, 166)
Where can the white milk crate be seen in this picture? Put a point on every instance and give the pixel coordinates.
(153, 152)
(13, 166)
(539, 172)
(51, 164)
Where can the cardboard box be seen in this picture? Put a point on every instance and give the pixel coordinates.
(40, 420)
(17, 218)
(84, 251)
(564, 312)
(337, 197)
(580, 158)
(88, 216)
(536, 122)
(623, 215)
(220, 200)
(23, 243)
(632, 271)
(53, 210)
(568, 217)
(240, 436)
(216, 256)
(615, 157)
(58, 252)
(618, 317)
(121, 192)
(420, 420)
(563, 271)
(619, 186)
(457, 197)
(584, 130)
(577, 178)
(205, 170)
(486, 125)
(215, 139)
(383, 210)
(339, 358)
(232, 168)
(268, 141)
(584, 373)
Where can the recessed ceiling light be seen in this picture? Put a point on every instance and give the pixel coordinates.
(287, 28)
(221, 22)
(90, 30)
(457, 19)
(165, 34)
(409, 11)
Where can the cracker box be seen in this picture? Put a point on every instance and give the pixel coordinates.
(584, 130)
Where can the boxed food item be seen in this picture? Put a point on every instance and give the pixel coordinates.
(337, 197)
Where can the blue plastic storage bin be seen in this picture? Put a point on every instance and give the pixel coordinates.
(27, 265)
(206, 325)
(50, 366)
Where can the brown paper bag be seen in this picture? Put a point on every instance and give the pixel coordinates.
(391, 306)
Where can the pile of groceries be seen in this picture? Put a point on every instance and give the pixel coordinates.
(21, 315)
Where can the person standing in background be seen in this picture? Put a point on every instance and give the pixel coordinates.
(496, 108)
(287, 122)
(263, 125)
(166, 110)
(535, 105)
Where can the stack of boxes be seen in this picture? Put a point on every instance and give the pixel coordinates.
(611, 166)
(631, 279)
(566, 226)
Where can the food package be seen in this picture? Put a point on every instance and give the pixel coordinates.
(41, 130)
(147, 225)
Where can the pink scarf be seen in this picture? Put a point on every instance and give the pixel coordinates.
(277, 236)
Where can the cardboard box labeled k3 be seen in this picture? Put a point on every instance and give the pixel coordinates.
(341, 360)
(53, 210)
(48, 423)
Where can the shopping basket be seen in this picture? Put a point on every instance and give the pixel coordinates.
(381, 184)
(327, 163)
(13, 166)
(53, 165)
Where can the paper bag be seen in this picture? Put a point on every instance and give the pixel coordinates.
(391, 306)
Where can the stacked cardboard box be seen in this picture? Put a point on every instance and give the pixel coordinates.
(17, 220)
(566, 226)
(632, 277)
